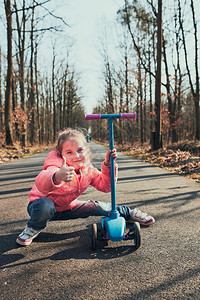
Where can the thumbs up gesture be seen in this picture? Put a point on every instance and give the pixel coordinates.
(65, 173)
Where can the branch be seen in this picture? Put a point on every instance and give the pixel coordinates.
(54, 15)
(138, 51)
(42, 29)
(41, 4)
(185, 49)
(153, 8)
(30, 7)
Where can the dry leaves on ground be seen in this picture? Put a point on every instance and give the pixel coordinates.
(9, 153)
(174, 158)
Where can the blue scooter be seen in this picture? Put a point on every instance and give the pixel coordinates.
(113, 227)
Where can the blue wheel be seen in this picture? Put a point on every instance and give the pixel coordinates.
(137, 237)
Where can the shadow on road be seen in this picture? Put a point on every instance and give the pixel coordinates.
(146, 177)
(15, 191)
(178, 200)
(166, 285)
(135, 167)
(25, 176)
(81, 250)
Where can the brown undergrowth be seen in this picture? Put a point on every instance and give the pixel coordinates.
(9, 153)
(182, 158)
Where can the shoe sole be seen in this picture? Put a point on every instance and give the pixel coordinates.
(25, 242)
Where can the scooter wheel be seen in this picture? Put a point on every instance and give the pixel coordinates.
(137, 237)
(94, 236)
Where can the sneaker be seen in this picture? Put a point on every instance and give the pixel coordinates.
(141, 217)
(26, 237)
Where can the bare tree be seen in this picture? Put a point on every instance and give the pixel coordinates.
(127, 14)
(53, 94)
(195, 91)
(32, 85)
(1, 101)
(65, 96)
(8, 96)
(109, 87)
(21, 29)
(158, 78)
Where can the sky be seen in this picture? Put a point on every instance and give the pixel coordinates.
(87, 19)
(84, 18)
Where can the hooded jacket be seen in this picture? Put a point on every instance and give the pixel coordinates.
(65, 194)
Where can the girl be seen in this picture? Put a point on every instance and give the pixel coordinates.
(66, 174)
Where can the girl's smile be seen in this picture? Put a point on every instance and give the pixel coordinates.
(75, 153)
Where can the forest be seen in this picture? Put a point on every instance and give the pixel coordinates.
(154, 72)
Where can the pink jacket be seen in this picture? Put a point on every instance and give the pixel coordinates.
(65, 194)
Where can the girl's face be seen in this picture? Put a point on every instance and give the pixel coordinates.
(75, 153)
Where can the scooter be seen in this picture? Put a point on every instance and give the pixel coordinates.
(113, 227)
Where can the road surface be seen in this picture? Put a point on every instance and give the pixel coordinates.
(60, 264)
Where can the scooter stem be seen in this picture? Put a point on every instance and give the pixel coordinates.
(114, 213)
(112, 164)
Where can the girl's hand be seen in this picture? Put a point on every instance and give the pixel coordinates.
(113, 153)
(64, 174)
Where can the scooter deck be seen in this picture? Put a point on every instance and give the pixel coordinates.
(115, 228)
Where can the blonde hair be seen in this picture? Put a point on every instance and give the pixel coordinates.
(72, 134)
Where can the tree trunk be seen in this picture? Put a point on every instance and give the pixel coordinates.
(64, 99)
(32, 88)
(195, 93)
(141, 103)
(196, 98)
(8, 93)
(110, 90)
(158, 141)
(145, 104)
(126, 84)
(37, 94)
(21, 28)
(178, 81)
(53, 96)
(150, 92)
(1, 103)
(120, 136)
(171, 106)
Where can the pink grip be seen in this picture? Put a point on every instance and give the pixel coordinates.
(128, 116)
(93, 117)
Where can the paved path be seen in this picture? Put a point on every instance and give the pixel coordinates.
(59, 264)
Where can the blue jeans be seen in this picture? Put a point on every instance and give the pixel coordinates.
(43, 210)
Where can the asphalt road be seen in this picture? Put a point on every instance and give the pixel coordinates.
(60, 264)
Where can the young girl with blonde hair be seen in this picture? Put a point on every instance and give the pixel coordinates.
(66, 174)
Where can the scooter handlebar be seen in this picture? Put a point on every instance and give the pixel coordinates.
(93, 117)
(128, 116)
(112, 116)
